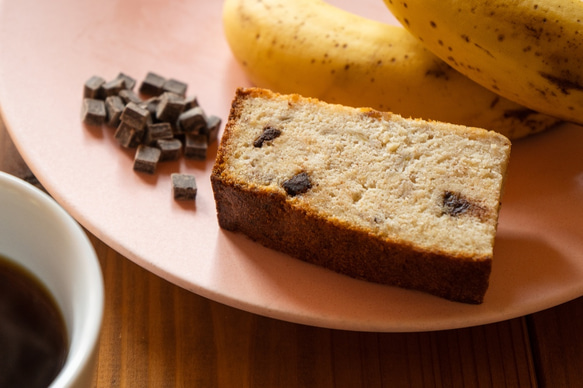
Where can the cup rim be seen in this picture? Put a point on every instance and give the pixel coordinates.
(83, 342)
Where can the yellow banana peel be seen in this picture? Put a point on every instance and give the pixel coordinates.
(528, 51)
(314, 49)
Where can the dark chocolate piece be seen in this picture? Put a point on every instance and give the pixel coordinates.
(175, 86)
(134, 115)
(299, 183)
(93, 88)
(193, 121)
(151, 105)
(195, 146)
(114, 105)
(113, 87)
(129, 82)
(128, 95)
(183, 187)
(125, 135)
(93, 112)
(169, 108)
(190, 102)
(269, 133)
(152, 85)
(455, 205)
(158, 131)
(138, 137)
(171, 149)
(146, 159)
(213, 124)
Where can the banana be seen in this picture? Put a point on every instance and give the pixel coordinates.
(314, 49)
(528, 51)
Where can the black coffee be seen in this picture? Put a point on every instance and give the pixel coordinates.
(33, 337)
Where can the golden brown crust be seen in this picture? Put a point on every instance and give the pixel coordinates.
(269, 218)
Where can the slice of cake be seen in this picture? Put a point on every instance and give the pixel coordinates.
(371, 195)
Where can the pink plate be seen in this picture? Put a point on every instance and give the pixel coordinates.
(48, 49)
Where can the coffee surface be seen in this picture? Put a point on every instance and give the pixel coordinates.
(33, 337)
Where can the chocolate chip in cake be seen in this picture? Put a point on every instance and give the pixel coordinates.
(269, 133)
(298, 184)
(93, 111)
(146, 159)
(455, 205)
(183, 187)
(93, 88)
(152, 85)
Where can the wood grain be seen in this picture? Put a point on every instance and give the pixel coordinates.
(156, 334)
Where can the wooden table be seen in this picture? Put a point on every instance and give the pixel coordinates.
(156, 334)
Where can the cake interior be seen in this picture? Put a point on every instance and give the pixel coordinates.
(432, 185)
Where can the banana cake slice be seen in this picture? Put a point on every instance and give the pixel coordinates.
(368, 194)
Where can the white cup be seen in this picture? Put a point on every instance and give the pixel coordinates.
(39, 235)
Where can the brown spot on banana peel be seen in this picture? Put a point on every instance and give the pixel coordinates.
(519, 114)
(440, 70)
(532, 120)
(533, 31)
(563, 84)
(494, 102)
(485, 50)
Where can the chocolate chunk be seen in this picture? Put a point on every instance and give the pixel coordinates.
(299, 183)
(93, 111)
(158, 131)
(151, 105)
(213, 125)
(114, 105)
(113, 87)
(93, 88)
(195, 146)
(175, 86)
(146, 159)
(171, 149)
(193, 121)
(125, 135)
(269, 133)
(190, 102)
(129, 82)
(128, 96)
(134, 115)
(455, 205)
(183, 187)
(169, 108)
(152, 85)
